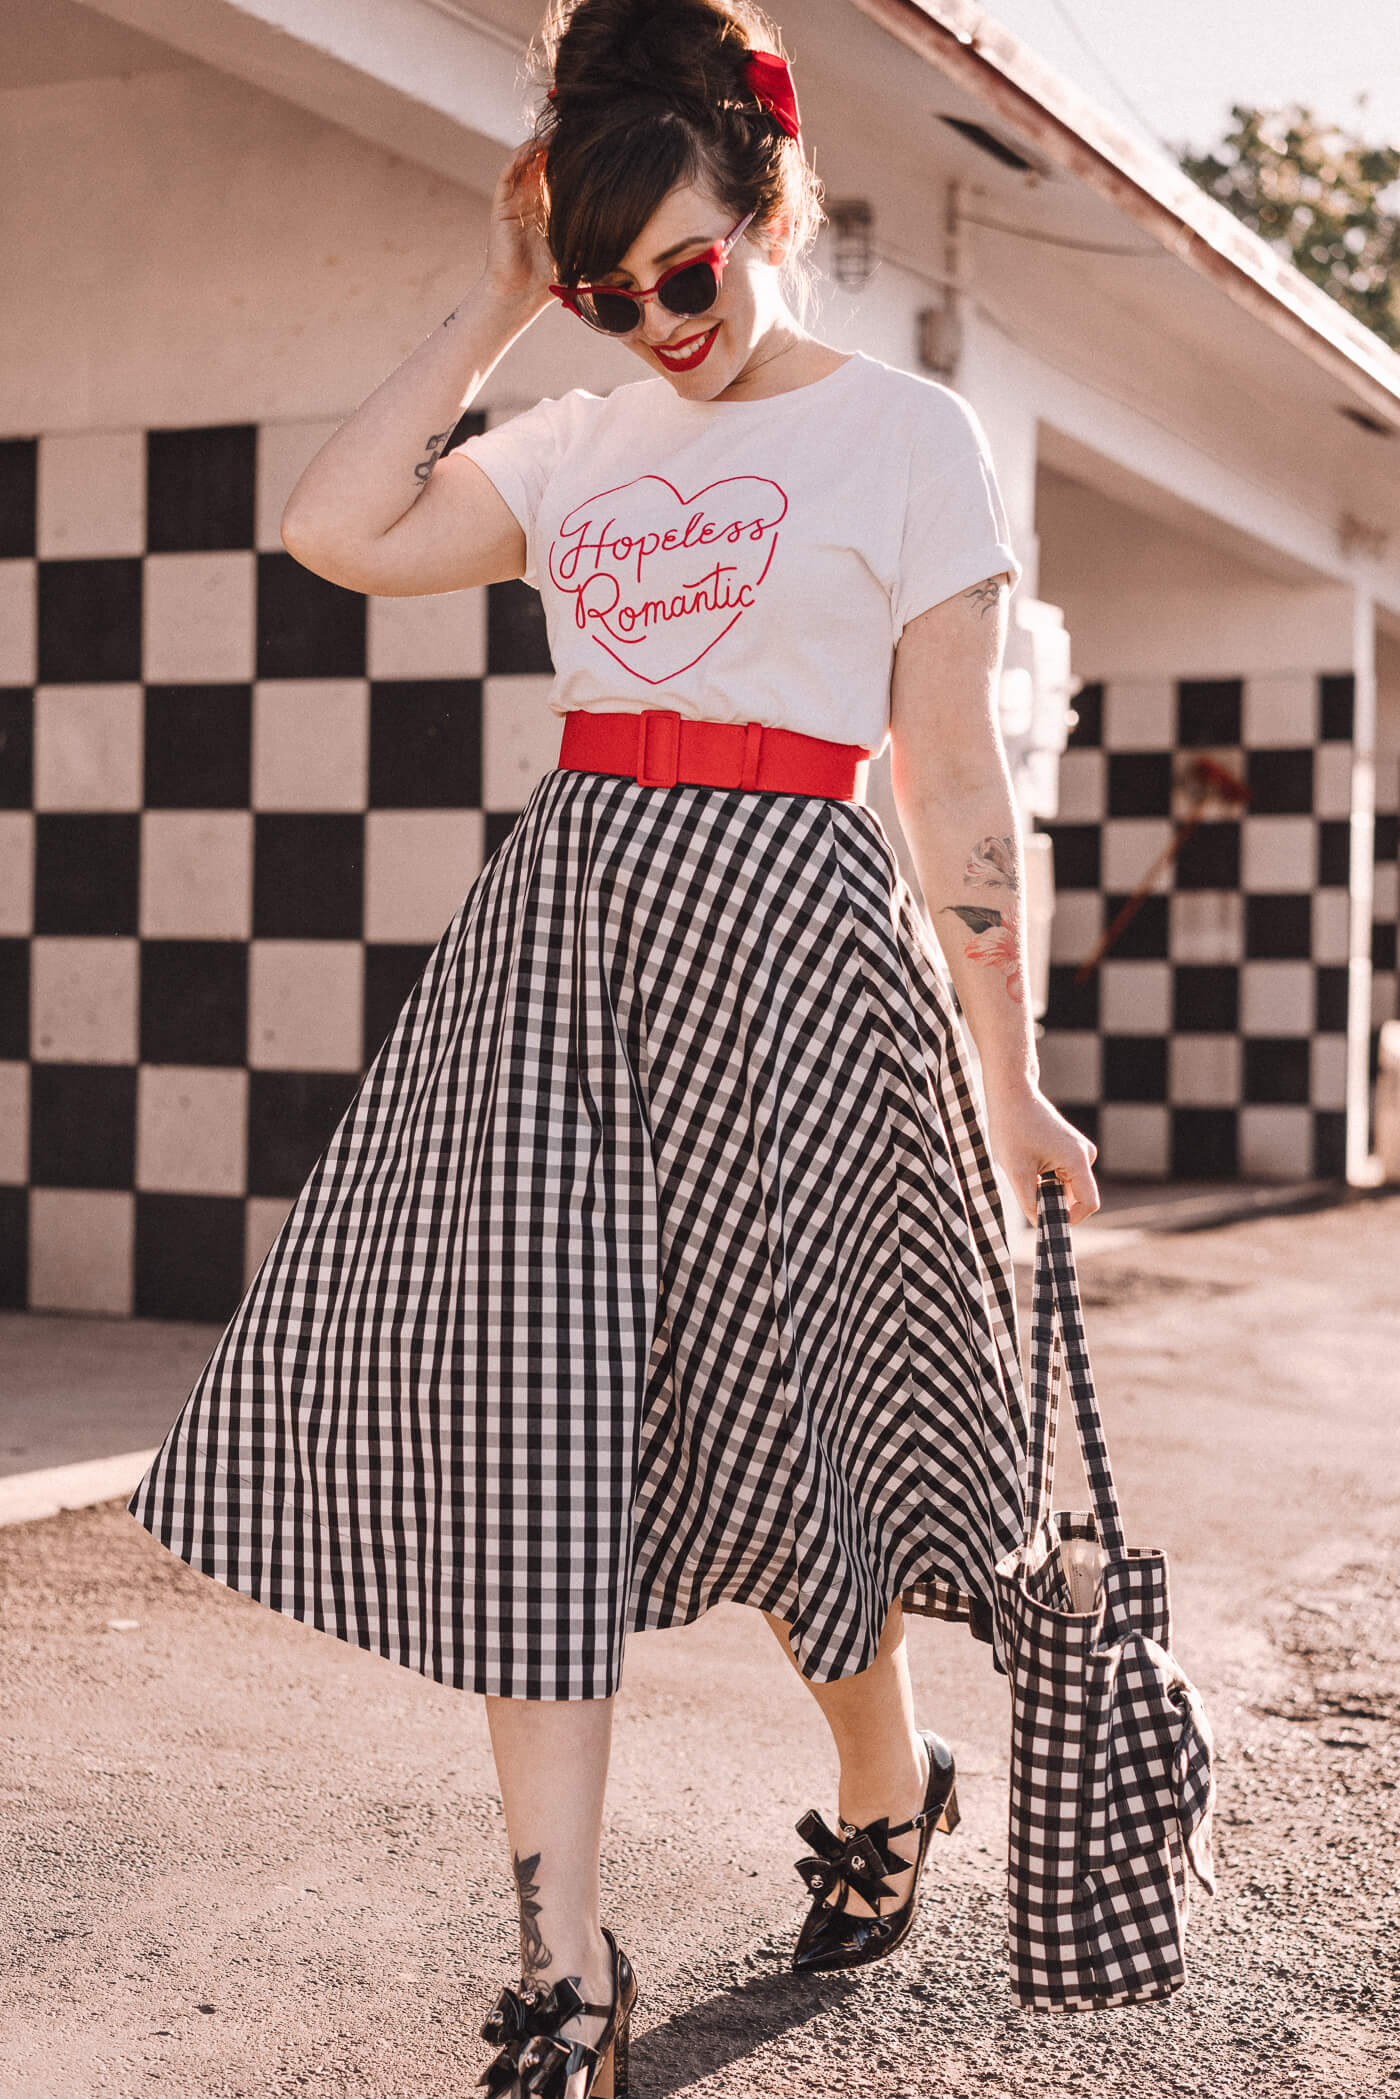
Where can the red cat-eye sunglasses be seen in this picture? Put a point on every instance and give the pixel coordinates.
(685, 289)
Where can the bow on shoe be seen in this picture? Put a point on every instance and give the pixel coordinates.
(522, 2023)
(858, 1862)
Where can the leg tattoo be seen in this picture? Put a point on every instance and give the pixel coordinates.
(535, 1956)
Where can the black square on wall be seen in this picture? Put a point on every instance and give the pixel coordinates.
(1145, 936)
(19, 475)
(1134, 1068)
(1072, 1005)
(391, 972)
(14, 1249)
(16, 747)
(308, 875)
(1329, 1160)
(90, 621)
(199, 488)
(1209, 711)
(1280, 782)
(194, 1002)
(1205, 998)
(307, 627)
(1276, 1067)
(14, 999)
(1210, 858)
(1333, 853)
(292, 1116)
(188, 1256)
(1330, 982)
(1278, 928)
(1076, 851)
(1387, 836)
(1383, 944)
(199, 741)
(517, 638)
(1337, 706)
(82, 1125)
(1087, 733)
(1204, 1144)
(1139, 783)
(425, 744)
(497, 829)
(470, 423)
(86, 871)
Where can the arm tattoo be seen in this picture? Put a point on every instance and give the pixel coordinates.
(435, 445)
(994, 928)
(986, 593)
(535, 1956)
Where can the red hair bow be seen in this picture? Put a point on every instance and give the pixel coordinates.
(771, 81)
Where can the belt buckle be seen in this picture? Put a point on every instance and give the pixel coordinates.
(646, 742)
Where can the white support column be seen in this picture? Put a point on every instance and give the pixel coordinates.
(1361, 1169)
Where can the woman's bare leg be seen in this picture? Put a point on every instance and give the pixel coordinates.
(884, 1765)
(552, 1767)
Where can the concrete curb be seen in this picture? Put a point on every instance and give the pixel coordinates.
(26, 1496)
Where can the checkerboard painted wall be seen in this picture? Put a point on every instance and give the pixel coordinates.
(238, 806)
(1211, 1039)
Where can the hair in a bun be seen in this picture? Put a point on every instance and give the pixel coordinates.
(646, 94)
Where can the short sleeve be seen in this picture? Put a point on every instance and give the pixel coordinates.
(955, 526)
(519, 455)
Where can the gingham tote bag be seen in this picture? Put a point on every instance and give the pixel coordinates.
(1112, 1788)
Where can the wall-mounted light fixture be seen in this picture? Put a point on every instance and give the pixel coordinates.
(853, 243)
(940, 339)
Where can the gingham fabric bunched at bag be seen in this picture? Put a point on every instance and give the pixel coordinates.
(1112, 1787)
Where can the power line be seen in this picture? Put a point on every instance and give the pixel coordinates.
(1061, 240)
(1110, 76)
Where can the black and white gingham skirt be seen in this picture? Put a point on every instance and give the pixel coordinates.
(657, 1260)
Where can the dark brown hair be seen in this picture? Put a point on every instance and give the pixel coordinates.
(649, 94)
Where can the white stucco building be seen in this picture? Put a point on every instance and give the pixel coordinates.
(237, 805)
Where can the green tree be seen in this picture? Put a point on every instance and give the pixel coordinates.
(1317, 193)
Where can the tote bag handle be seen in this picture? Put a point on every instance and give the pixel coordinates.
(1057, 1339)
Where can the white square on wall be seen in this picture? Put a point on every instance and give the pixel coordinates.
(304, 1005)
(442, 636)
(191, 1129)
(1278, 854)
(196, 874)
(198, 618)
(1139, 714)
(14, 1124)
(521, 735)
(84, 999)
(419, 865)
(1071, 1064)
(81, 1243)
(19, 626)
(1205, 925)
(1130, 845)
(311, 743)
(1281, 711)
(16, 872)
(285, 451)
(1275, 1143)
(88, 747)
(1135, 998)
(1329, 1071)
(91, 494)
(1133, 1140)
(1083, 775)
(1332, 780)
(263, 1218)
(1074, 929)
(1277, 998)
(1203, 1071)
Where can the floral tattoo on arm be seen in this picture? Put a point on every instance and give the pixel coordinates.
(995, 929)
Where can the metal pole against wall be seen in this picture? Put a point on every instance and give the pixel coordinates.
(1361, 1168)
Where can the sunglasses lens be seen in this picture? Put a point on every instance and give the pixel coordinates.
(690, 291)
(614, 312)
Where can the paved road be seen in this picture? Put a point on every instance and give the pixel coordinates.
(242, 1860)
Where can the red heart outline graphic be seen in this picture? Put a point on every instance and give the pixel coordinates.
(635, 586)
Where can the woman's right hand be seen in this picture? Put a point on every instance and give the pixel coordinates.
(519, 268)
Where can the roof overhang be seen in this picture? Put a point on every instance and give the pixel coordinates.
(1065, 129)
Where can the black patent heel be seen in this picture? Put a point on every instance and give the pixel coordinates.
(834, 1936)
(534, 2057)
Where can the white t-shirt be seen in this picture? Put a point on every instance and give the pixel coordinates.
(748, 560)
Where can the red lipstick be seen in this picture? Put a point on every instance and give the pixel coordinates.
(692, 355)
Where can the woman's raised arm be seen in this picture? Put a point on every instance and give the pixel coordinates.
(954, 796)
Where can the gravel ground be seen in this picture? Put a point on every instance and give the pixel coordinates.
(243, 1860)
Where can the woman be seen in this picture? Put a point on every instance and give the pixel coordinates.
(659, 1258)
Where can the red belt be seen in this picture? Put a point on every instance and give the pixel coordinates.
(659, 748)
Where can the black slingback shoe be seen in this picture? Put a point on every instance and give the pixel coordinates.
(537, 2061)
(857, 1860)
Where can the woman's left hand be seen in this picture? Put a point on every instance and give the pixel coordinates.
(1029, 1137)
